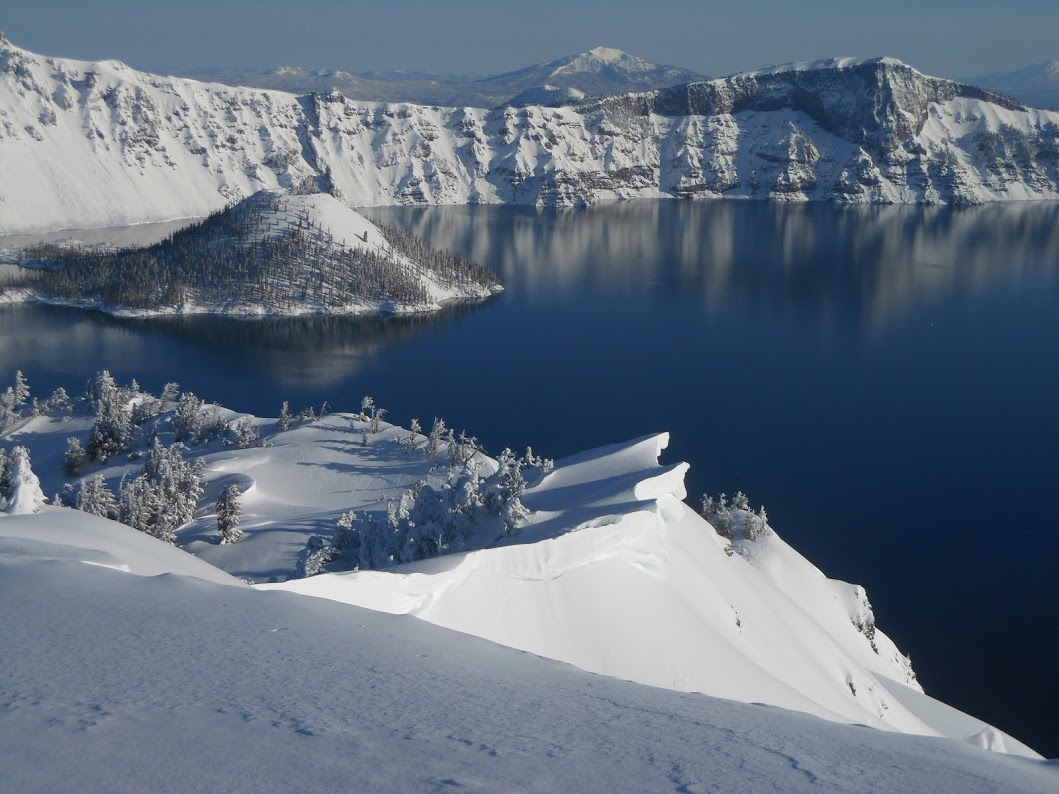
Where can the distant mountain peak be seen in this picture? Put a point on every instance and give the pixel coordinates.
(599, 58)
(1036, 84)
(609, 54)
(288, 70)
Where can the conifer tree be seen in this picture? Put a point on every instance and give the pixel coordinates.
(74, 458)
(25, 495)
(228, 515)
(95, 498)
(283, 423)
(112, 429)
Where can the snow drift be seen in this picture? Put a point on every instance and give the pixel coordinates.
(171, 683)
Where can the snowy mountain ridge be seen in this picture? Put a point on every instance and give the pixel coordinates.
(602, 70)
(99, 144)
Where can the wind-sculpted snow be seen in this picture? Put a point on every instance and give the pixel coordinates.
(615, 574)
(165, 683)
(99, 144)
(604, 566)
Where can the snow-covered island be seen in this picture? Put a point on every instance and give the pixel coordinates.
(137, 653)
(271, 254)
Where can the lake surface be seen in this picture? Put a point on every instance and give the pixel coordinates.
(884, 380)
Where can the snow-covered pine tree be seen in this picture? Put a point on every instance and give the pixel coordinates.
(12, 400)
(229, 512)
(377, 415)
(436, 437)
(25, 494)
(505, 490)
(96, 498)
(59, 401)
(463, 450)
(245, 433)
(99, 387)
(5, 474)
(21, 392)
(112, 429)
(169, 393)
(165, 495)
(187, 417)
(74, 458)
(412, 438)
(283, 423)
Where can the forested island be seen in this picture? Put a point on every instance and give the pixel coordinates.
(272, 253)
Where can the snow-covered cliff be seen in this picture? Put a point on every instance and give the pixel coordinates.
(96, 144)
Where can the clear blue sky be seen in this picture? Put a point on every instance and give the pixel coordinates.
(950, 38)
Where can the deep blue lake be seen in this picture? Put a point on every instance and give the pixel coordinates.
(884, 380)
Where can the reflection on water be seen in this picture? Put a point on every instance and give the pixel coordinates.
(308, 350)
(303, 351)
(866, 263)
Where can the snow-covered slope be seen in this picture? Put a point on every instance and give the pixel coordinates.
(161, 683)
(1037, 84)
(96, 144)
(61, 534)
(612, 572)
(615, 574)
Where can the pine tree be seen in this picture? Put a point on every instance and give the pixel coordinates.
(187, 417)
(412, 438)
(228, 514)
(376, 416)
(95, 498)
(169, 394)
(367, 404)
(283, 423)
(25, 493)
(246, 434)
(112, 429)
(101, 387)
(21, 389)
(75, 457)
(58, 401)
(6, 463)
(436, 437)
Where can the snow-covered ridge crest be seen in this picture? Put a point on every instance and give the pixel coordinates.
(853, 131)
(826, 63)
(601, 563)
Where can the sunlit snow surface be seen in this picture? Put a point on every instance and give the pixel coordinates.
(119, 682)
(612, 573)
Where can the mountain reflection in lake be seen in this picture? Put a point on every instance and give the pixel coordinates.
(883, 379)
(832, 263)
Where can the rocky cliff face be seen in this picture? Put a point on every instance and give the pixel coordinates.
(96, 144)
